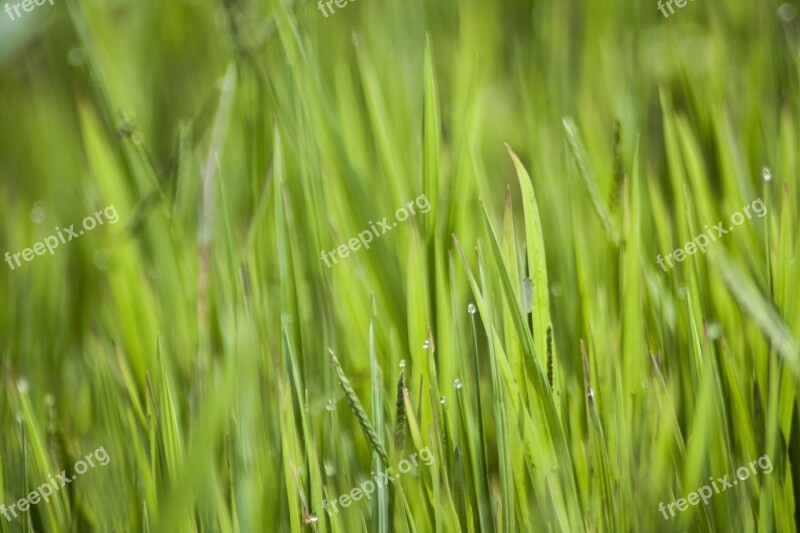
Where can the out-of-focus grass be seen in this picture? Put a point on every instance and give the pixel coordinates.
(238, 139)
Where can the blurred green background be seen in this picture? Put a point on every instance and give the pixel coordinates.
(239, 138)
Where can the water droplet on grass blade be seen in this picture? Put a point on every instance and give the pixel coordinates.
(76, 57)
(38, 212)
(527, 295)
(766, 173)
(457, 384)
(331, 405)
(713, 331)
(787, 12)
(441, 400)
(402, 363)
(426, 344)
(471, 309)
(101, 262)
(556, 288)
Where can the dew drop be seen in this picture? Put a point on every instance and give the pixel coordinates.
(330, 470)
(22, 386)
(527, 295)
(93, 81)
(312, 518)
(457, 384)
(471, 309)
(556, 288)
(683, 292)
(402, 363)
(426, 344)
(38, 212)
(787, 12)
(766, 173)
(331, 405)
(76, 57)
(714, 331)
(441, 400)
(100, 260)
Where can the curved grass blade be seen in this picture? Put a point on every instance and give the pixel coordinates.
(754, 303)
(582, 160)
(537, 263)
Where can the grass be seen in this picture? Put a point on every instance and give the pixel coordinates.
(521, 330)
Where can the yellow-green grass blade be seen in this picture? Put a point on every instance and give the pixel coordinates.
(537, 262)
(379, 118)
(58, 513)
(419, 443)
(675, 165)
(292, 455)
(758, 308)
(510, 259)
(506, 514)
(430, 138)
(633, 345)
(541, 386)
(380, 507)
(582, 160)
(418, 311)
(193, 471)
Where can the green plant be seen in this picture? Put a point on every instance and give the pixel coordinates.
(520, 330)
